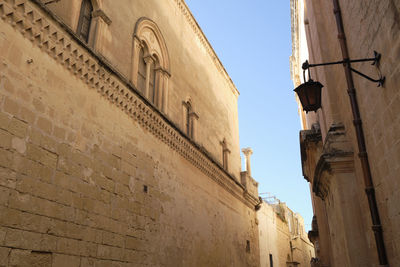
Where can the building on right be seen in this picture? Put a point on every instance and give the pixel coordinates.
(350, 143)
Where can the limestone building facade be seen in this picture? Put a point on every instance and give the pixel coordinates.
(119, 141)
(283, 239)
(351, 162)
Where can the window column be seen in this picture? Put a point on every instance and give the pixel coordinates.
(159, 87)
(149, 61)
(164, 106)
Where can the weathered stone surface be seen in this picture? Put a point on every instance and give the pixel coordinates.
(345, 234)
(95, 173)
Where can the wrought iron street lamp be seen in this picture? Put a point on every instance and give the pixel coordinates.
(309, 92)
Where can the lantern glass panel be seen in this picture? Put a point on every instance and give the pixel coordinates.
(309, 94)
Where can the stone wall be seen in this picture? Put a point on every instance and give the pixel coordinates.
(369, 26)
(92, 174)
(283, 237)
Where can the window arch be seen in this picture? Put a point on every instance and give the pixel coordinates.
(225, 154)
(149, 46)
(85, 20)
(189, 119)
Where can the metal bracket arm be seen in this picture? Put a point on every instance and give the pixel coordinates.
(380, 81)
(375, 60)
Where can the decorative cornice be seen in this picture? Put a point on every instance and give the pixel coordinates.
(204, 41)
(38, 24)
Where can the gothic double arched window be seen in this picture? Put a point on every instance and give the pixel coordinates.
(150, 66)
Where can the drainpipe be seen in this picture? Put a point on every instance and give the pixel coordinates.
(369, 186)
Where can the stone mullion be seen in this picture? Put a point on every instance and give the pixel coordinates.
(149, 60)
(158, 87)
(164, 106)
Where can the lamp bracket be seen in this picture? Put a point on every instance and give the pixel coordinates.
(375, 61)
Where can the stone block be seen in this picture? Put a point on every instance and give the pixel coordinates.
(48, 242)
(109, 252)
(134, 256)
(42, 156)
(68, 246)
(19, 258)
(87, 249)
(105, 196)
(8, 177)
(65, 181)
(35, 136)
(110, 263)
(18, 128)
(4, 121)
(88, 262)
(5, 139)
(104, 182)
(6, 158)
(59, 132)
(11, 106)
(4, 253)
(8, 86)
(112, 239)
(45, 174)
(38, 105)
(45, 125)
(4, 194)
(49, 144)
(61, 260)
(3, 232)
(122, 190)
(133, 243)
(128, 168)
(19, 145)
(22, 239)
(26, 115)
(27, 202)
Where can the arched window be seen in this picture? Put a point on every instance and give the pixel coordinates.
(156, 60)
(189, 119)
(225, 154)
(85, 19)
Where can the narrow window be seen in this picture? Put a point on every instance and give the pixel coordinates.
(225, 159)
(152, 83)
(225, 153)
(248, 246)
(85, 19)
(188, 120)
(271, 262)
(142, 72)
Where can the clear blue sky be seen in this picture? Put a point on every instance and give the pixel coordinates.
(253, 41)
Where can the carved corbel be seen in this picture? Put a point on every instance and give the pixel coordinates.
(337, 158)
